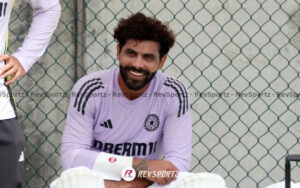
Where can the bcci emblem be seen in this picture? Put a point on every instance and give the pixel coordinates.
(151, 122)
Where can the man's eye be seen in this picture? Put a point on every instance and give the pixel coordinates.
(130, 53)
(149, 57)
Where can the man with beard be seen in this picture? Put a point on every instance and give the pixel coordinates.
(130, 126)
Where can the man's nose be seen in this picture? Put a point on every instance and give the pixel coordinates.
(138, 62)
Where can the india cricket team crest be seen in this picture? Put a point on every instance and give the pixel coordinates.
(151, 122)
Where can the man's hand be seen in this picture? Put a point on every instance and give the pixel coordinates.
(152, 168)
(12, 68)
(113, 184)
(136, 183)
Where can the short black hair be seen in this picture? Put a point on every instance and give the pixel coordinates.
(141, 27)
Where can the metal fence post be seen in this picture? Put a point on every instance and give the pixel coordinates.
(288, 159)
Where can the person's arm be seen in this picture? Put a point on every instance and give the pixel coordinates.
(78, 131)
(46, 15)
(177, 130)
(136, 183)
(76, 149)
(150, 169)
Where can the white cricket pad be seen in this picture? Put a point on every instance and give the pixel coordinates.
(194, 180)
(282, 185)
(79, 177)
(202, 180)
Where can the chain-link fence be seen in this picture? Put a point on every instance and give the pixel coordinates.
(239, 60)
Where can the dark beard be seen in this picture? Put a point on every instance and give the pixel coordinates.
(135, 84)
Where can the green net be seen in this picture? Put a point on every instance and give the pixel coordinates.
(239, 60)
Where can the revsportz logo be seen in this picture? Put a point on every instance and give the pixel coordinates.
(128, 174)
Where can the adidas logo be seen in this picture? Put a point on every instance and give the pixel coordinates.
(107, 124)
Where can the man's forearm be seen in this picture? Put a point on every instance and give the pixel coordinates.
(136, 183)
(140, 165)
(150, 169)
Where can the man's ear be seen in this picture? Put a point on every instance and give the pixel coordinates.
(118, 51)
(163, 60)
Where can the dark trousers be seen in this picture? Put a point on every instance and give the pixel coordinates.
(11, 154)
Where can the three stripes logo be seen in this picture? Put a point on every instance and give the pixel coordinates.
(3, 7)
(107, 124)
(85, 93)
(181, 93)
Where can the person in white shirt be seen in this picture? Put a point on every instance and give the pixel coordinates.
(46, 15)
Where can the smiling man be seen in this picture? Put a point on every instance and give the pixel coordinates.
(131, 116)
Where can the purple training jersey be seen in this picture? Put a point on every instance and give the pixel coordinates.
(101, 119)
